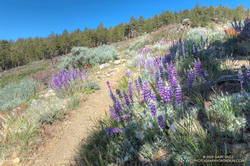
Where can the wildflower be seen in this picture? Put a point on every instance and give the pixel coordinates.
(110, 130)
(83, 74)
(166, 59)
(241, 77)
(117, 106)
(128, 73)
(198, 69)
(108, 85)
(64, 77)
(178, 94)
(152, 109)
(248, 73)
(190, 78)
(125, 116)
(130, 91)
(146, 92)
(160, 87)
(140, 82)
(161, 72)
(168, 93)
(172, 75)
(161, 121)
(137, 86)
(112, 96)
(113, 113)
(118, 92)
(126, 99)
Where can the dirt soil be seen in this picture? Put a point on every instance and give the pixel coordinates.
(63, 138)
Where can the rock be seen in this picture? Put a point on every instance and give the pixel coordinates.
(123, 60)
(117, 62)
(49, 93)
(207, 104)
(102, 66)
(186, 22)
(160, 154)
(215, 19)
(143, 159)
(16, 160)
(35, 102)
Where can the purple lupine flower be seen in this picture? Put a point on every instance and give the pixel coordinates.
(163, 91)
(140, 82)
(128, 73)
(197, 66)
(111, 94)
(113, 113)
(144, 50)
(198, 69)
(137, 86)
(241, 77)
(190, 78)
(146, 92)
(64, 77)
(162, 74)
(130, 91)
(168, 93)
(108, 85)
(117, 106)
(126, 99)
(173, 82)
(118, 92)
(248, 73)
(166, 59)
(178, 94)
(83, 74)
(172, 75)
(110, 130)
(152, 109)
(160, 85)
(125, 116)
(161, 121)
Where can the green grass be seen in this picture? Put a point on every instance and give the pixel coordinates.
(17, 134)
(74, 102)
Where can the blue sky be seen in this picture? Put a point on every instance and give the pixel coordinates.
(31, 18)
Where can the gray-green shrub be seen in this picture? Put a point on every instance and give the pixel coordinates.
(81, 56)
(16, 93)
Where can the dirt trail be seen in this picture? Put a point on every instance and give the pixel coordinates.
(61, 149)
